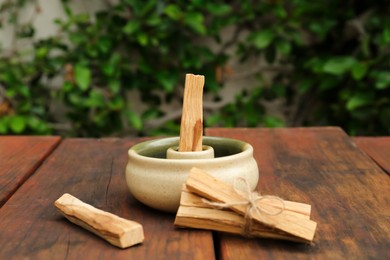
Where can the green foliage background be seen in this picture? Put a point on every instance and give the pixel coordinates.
(329, 60)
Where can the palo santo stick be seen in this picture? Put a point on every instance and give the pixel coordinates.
(206, 186)
(225, 221)
(194, 213)
(118, 231)
(191, 126)
(303, 210)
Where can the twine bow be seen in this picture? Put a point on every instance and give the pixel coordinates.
(251, 199)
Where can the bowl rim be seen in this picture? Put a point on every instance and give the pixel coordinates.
(135, 150)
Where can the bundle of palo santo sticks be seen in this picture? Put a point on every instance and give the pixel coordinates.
(207, 203)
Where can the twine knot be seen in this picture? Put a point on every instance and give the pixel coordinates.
(250, 201)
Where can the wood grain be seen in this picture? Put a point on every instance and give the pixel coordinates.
(20, 156)
(349, 194)
(117, 231)
(191, 125)
(378, 148)
(202, 184)
(195, 213)
(93, 171)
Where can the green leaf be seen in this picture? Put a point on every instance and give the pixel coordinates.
(359, 70)
(382, 79)
(95, 99)
(151, 113)
(82, 18)
(298, 38)
(3, 125)
(67, 86)
(386, 35)
(147, 7)
(100, 118)
(283, 47)
(142, 39)
(108, 69)
(114, 86)
(145, 66)
(76, 100)
(358, 100)
(173, 12)
(131, 27)
(280, 90)
(195, 21)
(33, 122)
(67, 8)
(262, 39)
(115, 58)
(327, 83)
(104, 45)
(38, 125)
(78, 38)
(42, 52)
(365, 43)
(153, 20)
(17, 123)
(214, 119)
(272, 121)
(315, 65)
(218, 9)
(82, 76)
(322, 27)
(305, 85)
(134, 120)
(116, 103)
(280, 11)
(25, 31)
(339, 65)
(24, 90)
(10, 92)
(167, 79)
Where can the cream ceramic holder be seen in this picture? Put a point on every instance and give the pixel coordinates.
(156, 171)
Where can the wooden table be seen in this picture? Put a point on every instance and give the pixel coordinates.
(346, 180)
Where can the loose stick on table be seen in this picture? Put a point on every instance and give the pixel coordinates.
(206, 186)
(118, 231)
(191, 126)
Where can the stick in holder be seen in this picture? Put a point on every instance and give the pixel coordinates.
(191, 126)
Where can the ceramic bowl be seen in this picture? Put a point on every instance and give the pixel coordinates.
(156, 180)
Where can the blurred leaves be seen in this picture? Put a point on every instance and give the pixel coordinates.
(82, 76)
(261, 39)
(359, 100)
(339, 65)
(17, 124)
(319, 63)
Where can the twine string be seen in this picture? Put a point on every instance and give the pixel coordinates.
(250, 200)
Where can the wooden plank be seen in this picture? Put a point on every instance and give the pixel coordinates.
(349, 194)
(20, 156)
(93, 171)
(378, 148)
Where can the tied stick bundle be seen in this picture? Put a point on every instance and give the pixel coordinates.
(207, 203)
